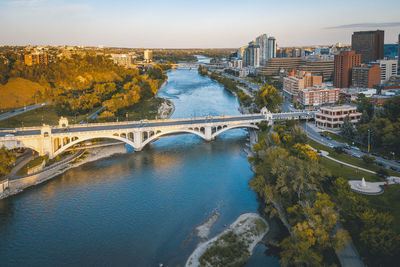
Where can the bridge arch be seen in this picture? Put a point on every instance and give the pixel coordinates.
(159, 134)
(223, 129)
(79, 140)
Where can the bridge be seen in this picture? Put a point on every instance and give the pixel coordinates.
(54, 140)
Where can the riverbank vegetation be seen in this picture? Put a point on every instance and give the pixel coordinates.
(7, 159)
(80, 85)
(312, 202)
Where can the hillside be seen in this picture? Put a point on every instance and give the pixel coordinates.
(18, 92)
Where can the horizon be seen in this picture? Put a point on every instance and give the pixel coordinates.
(179, 25)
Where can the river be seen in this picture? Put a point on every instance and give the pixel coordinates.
(139, 208)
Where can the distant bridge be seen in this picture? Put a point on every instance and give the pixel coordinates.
(53, 140)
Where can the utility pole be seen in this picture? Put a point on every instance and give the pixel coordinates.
(369, 140)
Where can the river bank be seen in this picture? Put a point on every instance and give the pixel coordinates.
(18, 185)
(248, 228)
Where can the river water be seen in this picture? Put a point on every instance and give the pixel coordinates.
(139, 208)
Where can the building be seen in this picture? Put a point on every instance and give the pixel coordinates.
(319, 67)
(251, 57)
(125, 60)
(333, 117)
(262, 42)
(271, 47)
(35, 57)
(398, 57)
(388, 68)
(351, 94)
(297, 81)
(275, 65)
(366, 76)
(148, 55)
(343, 65)
(318, 95)
(369, 44)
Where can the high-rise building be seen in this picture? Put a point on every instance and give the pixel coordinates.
(366, 76)
(36, 58)
(274, 65)
(251, 57)
(262, 42)
(388, 68)
(148, 54)
(343, 65)
(370, 44)
(398, 58)
(271, 48)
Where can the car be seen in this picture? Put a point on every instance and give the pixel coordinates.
(375, 154)
(12, 111)
(321, 134)
(331, 146)
(43, 104)
(386, 157)
(380, 164)
(394, 168)
(329, 138)
(356, 155)
(355, 148)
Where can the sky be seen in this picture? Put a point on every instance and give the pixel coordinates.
(192, 23)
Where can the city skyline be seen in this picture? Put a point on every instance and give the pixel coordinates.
(178, 24)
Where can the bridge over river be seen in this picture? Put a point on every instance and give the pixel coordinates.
(53, 140)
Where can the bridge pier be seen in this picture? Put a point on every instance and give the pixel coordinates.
(208, 133)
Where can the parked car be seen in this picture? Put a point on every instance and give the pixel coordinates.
(380, 164)
(322, 134)
(375, 154)
(347, 146)
(394, 168)
(355, 148)
(329, 138)
(386, 157)
(356, 155)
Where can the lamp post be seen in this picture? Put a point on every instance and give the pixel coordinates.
(369, 140)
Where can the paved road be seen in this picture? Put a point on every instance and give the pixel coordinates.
(136, 124)
(314, 135)
(20, 111)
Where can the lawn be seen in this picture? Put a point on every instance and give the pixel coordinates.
(46, 114)
(349, 159)
(31, 164)
(389, 201)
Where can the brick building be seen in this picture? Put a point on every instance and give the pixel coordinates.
(344, 63)
(318, 95)
(366, 76)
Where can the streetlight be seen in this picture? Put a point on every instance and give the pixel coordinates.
(369, 140)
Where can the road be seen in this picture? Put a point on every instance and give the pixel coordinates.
(133, 124)
(314, 135)
(21, 110)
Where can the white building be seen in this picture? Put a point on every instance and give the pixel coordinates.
(388, 68)
(262, 42)
(148, 54)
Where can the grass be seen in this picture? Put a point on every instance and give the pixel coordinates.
(348, 159)
(389, 202)
(46, 114)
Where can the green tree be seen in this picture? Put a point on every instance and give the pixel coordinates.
(7, 159)
(347, 129)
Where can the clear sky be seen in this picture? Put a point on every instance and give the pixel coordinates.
(192, 23)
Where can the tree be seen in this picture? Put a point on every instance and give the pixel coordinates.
(7, 159)
(365, 105)
(368, 159)
(381, 172)
(392, 108)
(268, 97)
(347, 128)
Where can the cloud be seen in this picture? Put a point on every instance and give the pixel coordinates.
(365, 25)
(23, 3)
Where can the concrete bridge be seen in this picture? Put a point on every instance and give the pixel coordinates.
(53, 140)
